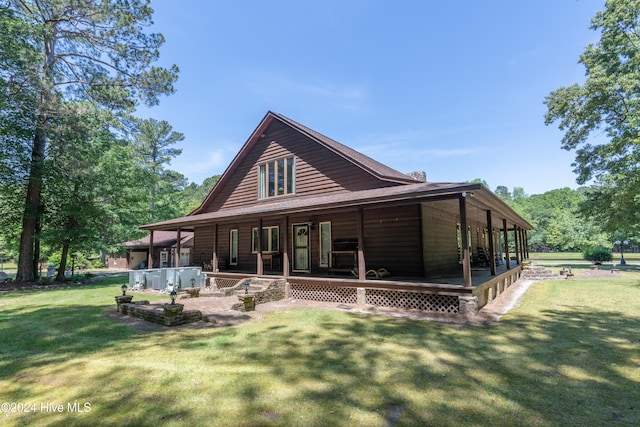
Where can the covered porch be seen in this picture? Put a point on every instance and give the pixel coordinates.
(447, 247)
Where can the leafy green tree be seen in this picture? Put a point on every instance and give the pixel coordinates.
(557, 221)
(518, 194)
(607, 104)
(480, 181)
(81, 50)
(74, 214)
(503, 192)
(153, 141)
(195, 194)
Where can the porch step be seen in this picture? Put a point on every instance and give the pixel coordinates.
(256, 285)
(539, 273)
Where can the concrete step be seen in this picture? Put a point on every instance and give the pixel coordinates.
(534, 272)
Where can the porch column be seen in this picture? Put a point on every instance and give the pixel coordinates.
(179, 237)
(466, 259)
(492, 255)
(150, 256)
(285, 250)
(526, 242)
(214, 254)
(506, 243)
(362, 269)
(516, 242)
(260, 270)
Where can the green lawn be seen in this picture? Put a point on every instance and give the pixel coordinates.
(568, 355)
(541, 257)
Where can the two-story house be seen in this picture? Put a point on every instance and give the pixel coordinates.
(297, 204)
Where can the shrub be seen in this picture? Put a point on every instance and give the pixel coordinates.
(597, 254)
(96, 264)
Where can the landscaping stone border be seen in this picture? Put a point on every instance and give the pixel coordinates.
(156, 313)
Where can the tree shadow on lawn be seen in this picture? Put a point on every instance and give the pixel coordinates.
(573, 367)
(567, 366)
(38, 335)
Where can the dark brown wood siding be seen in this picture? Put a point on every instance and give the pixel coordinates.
(203, 245)
(318, 170)
(440, 249)
(408, 241)
(392, 240)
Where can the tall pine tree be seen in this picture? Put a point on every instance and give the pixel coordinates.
(96, 50)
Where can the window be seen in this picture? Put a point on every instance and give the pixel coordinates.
(233, 247)
(270, 239)
(325, 243)
(276, 178)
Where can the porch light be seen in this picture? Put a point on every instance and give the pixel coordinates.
(124, 289)
(621, 244)
(193, 282)
(172, 295)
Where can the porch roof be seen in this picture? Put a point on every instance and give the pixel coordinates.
(161, 238)
(407, 193)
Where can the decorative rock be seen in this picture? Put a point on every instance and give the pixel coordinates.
(123, 299)
(173, 310)
(468, 306)
(193, 292)
(248, 301)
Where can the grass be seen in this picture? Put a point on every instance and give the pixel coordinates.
(568, 355)
(578, 257)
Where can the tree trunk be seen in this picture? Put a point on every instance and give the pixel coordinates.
(63, 261)
(28, 258)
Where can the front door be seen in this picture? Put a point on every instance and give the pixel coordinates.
(301, 249)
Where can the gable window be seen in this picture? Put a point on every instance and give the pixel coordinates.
(270, 239)
(276, 178)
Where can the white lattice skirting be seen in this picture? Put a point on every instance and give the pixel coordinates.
(412, 300)
(376, 297)
(324, 293)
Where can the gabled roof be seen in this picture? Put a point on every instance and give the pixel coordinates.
(367, 164)
(403, 189)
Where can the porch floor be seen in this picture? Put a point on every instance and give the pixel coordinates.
(479, 275)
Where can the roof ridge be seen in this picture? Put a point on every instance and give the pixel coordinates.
(371, 165)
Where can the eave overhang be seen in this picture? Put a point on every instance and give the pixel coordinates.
(476, 195)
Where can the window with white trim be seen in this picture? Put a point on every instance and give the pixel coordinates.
(270, 239)
(233, 247)
(325, 243)
(276, 177)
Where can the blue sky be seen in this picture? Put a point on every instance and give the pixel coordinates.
(454, 88)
